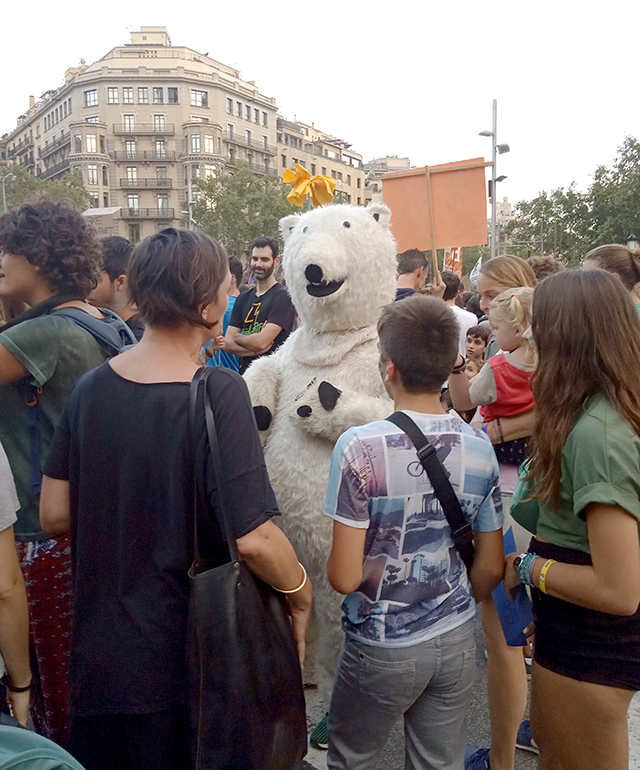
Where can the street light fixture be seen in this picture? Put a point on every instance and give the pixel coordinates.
(10, 177)
(501, 149)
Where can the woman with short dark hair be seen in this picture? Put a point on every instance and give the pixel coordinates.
(49, 259)
(120, 476)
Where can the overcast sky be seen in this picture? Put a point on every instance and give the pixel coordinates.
(401, 78)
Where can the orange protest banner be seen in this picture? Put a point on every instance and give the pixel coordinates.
(446, 204)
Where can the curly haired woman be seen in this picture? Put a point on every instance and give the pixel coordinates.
(49, 259)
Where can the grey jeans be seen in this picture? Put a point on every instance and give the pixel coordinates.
(430, 684)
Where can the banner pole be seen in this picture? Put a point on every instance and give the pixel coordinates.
(432, 222)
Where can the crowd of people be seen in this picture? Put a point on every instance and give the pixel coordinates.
(528, 391)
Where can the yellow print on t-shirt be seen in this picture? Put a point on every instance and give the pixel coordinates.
(253, 326)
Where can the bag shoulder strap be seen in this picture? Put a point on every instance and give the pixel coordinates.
(460, 527)
(112, 330)
(200, 381)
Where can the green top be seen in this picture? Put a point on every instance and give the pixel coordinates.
(638, 308)
(55, 351)
(600, 464)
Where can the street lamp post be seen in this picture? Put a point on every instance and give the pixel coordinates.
(4, 178)
(495, 149)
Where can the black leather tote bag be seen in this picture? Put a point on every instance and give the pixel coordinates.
(247, 702)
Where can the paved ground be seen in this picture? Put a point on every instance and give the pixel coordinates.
(392, 756)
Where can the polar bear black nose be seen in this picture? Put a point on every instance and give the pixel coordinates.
(313, 273)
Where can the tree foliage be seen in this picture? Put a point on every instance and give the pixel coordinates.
(26, 187)
(239, 207)
(567, 223)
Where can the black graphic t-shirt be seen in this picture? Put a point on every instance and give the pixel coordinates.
(251, 313)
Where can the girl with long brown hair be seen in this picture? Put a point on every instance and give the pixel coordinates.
(584, 563)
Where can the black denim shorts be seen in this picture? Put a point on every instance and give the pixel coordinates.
(580, 643)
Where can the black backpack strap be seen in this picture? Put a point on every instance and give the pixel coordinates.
(112, 330)
(460, 528)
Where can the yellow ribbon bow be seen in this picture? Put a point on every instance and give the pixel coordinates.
(319, 187)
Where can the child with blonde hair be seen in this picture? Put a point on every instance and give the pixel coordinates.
(503, 386)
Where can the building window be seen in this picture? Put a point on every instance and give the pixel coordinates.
(339, 176)
(161, 172)
(163, 203)
(133, 200)
(158, 95)
(348, 178)
(92, 174)
(359, 199)
(195, 142)
(195, 171)
(324, 171)
(313, 169)
(256, 116)
(77, 170)
(91, 98)
(265, 142)
(129, 123)
(247, 112)
(132, 173)
(105, 200)
(265, 119)
(161, 149)
(64, 108)
(92, 119)
(130, 148)
(127, 95)
(94, 201)
(105, 177)
(112, 95)
(358, 183)
(284, 161)
(209, 171)
(239, 109)
(230, 106)
(247, 136)
(199, 98)
(102, 145)
(77, 144)
(56, 114)
(91, 142)
(230, 131)
(209, 145)
(143, 95)
(134, 233)
(172, 95)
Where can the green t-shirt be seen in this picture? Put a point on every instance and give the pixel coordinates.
(600, 464)
(55, 351)
(638, 308)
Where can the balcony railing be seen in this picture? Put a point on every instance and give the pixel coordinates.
(238, 139)
(144, 128)
(257, 168)
(59, 168)
(147, 213)
(139, 183)
(48, 149)
(23, 145)
(144, 155)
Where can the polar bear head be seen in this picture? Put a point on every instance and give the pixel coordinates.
(339, 265)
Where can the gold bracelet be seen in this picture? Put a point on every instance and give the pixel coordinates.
(543, 575)
(299, 588)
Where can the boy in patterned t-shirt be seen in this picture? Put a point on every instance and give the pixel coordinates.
(408, 616)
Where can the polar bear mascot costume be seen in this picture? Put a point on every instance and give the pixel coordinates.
(340, 269)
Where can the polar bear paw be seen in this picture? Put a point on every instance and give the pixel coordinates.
(313, 408)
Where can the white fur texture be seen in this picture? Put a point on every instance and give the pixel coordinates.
(336, 343)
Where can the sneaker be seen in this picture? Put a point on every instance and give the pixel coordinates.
(320, 736)
(476, 759)
(524, 739)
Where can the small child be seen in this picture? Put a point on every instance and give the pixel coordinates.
(408, 613)
(476, 343)
(503, 386)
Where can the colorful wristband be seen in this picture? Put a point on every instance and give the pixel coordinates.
(542, 580)
(524, 568)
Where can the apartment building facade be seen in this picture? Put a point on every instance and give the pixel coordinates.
(374, 169)
(321, 153)
(139, 125)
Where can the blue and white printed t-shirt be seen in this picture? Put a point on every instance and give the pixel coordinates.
(414, 584)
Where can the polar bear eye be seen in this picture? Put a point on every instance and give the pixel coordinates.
(305, 229)
(346, 224)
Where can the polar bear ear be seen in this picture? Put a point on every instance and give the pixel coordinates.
(287, 224)
(380, 213)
